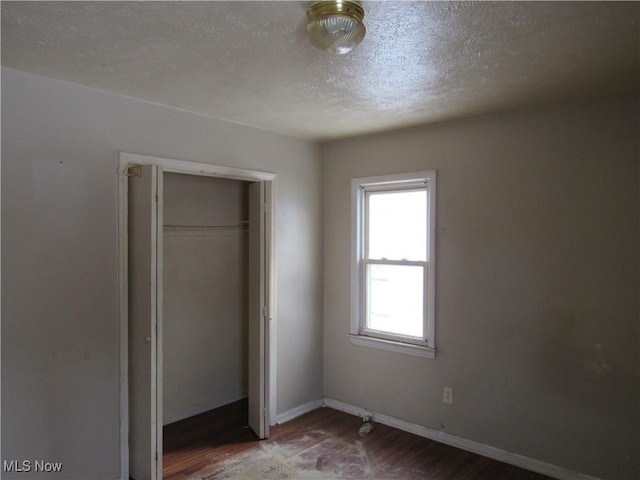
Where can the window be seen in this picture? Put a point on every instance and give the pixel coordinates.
(392, 263)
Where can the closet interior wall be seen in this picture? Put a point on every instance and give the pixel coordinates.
(205, 322)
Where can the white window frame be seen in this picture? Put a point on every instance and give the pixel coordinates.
(359, 335)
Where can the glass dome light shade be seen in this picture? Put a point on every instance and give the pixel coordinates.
(335, 26)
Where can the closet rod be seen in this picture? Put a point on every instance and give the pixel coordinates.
(205, 227)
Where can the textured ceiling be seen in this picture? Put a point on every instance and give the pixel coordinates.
(249, 62)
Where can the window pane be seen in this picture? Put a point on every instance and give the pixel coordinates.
(397, 225)
(395, 299)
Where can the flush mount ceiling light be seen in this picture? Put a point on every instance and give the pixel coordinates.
(335, 26)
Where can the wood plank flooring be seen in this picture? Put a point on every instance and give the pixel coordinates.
(323, 444)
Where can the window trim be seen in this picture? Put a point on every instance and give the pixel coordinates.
(359, 334)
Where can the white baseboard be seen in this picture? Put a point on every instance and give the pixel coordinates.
(462, 443)
(201, 408)
(299, 410)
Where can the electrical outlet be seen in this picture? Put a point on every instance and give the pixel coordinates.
(447, 395)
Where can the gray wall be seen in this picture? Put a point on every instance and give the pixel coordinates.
(60, 359)
(205, 294)
(536, 284)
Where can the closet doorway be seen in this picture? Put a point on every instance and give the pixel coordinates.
(236, 237)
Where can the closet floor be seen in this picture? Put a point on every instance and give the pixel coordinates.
(323, 444)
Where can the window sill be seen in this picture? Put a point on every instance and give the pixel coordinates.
(390, 346)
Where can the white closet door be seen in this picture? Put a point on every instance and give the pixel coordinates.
(258, 313)
(145, 301)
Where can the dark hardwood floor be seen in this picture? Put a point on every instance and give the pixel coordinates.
(323, 444)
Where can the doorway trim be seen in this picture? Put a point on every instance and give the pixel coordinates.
(127, 160)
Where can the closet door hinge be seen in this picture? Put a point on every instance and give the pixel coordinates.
(265, 312)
